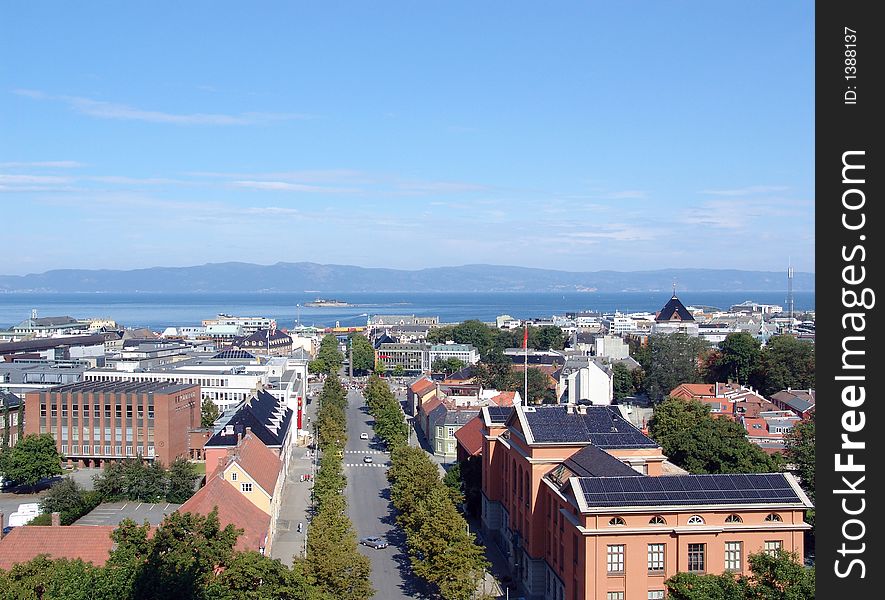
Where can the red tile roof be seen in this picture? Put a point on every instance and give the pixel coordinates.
(693, 390)
(89, 543)
(503, 399)
(422, 385)
(469, 436)
(429, 405)
(259, 461)
(233, 509)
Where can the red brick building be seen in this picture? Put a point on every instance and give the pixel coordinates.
(97, 421)
(580, 503)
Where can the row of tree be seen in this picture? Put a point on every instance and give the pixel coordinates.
(188, 557)
(329, 358)
(441, 548)
(386, 410)
(488, 339)
(669, 360)
(141, 481)
(333, 563)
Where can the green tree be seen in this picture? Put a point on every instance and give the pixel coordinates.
(363, 354)
(738, 359)
(329, 355)
(700, 443)
(44, 578)
(547, 337)
(786, 362)
(799, 452)
(476, 333)
(182, 477)
(109, 483)
(772, 577)
(447, 365)
(622, 381)
(539, 387)
(253, 576)
(181, 558)
(671, 360)
(441, 335)
(64, 496)
(33, 458)
(398, 371)
(208, 414)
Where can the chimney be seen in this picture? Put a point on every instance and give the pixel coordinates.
(56, 519)
(248, 431)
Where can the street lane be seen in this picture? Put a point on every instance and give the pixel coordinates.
(369, 507)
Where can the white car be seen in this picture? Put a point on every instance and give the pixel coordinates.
(367, 459)
(364, 436)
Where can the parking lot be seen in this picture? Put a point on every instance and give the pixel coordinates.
(113, 513)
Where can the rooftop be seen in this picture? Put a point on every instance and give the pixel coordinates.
(125, 387)
(91, 544)
(602, 426)
(233, 509)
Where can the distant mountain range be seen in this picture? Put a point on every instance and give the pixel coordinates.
(313, 277)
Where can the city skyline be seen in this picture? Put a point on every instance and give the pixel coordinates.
(581, 138)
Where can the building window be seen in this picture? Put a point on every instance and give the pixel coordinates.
(773, 518)
(733, 519)
(233, 476)
(655, 594)
(96, 449)
(696, 556)
(107, 450)
(695, 520)
(614, 596)
(616, 558)
(657, 520)
(656, 558)
(246, 487)
(772, 547)
(733, 556)
(64, 449)
(616, 522)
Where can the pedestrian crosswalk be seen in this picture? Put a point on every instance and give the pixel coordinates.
(364, 452)
(381, 465)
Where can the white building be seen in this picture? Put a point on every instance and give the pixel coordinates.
(583, 380)
(466, 353)
(249, 325)
(610, 346)
(507, 322)
(618, 324)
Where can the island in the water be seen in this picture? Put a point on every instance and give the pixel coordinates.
(326, 303)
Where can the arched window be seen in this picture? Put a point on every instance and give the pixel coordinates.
(657, 520)
(773, 518)
(617, 522)
(734, 519)
(695, 520)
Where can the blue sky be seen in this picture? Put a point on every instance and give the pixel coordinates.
(569, 135)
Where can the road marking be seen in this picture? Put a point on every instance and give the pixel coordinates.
(124, 506)
(152, 507)
(139, 506)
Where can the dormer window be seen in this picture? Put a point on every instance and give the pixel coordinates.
(734, 519)
(773, 518)
(616, 522)
(657, 520)
(695, 520)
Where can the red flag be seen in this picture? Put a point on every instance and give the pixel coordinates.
(525, 337)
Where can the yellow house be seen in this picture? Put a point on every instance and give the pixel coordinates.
(253, 469)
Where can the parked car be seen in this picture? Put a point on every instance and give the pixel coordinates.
(374, 541)
(367, 459)
(7, 529)
(364, 436)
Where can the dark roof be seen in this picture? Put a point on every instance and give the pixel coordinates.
(799, 400)
(773, 488)
(590, 461)
(125, 387)
(498, 414)
(9, 400)
(234, 354)
(600, 425)
(674, 307)
(47, 322)
(264, 336)
(256, 413)
(48, 343)
(384, 339)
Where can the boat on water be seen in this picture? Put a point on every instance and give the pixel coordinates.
(326, 303)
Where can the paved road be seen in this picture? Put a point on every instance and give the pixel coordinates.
(369, 507)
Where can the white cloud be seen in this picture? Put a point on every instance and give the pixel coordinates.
(33, 179)
(46, 164)
(286, 186)
(747, 191)
(112, 110)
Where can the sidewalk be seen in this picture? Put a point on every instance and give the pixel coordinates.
(294, 503)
